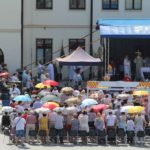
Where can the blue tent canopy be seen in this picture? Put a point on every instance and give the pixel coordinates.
(127, 28)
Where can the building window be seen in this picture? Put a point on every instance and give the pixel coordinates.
(43, 50)
(77, 4)
(74, 43)
(109, 4)
(133, 4)
(44, 4)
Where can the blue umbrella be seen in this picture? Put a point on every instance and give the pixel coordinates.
(88, 102)
(23, 98)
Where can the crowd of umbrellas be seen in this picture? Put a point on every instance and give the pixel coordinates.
(53, 102)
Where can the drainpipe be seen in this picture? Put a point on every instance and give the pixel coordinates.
(91, 28)
(22, 22)
(91, 34)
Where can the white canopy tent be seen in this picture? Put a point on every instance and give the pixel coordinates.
(79, 57)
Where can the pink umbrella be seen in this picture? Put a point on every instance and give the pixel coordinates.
(99, 107)
(4, 74)
(51, 83)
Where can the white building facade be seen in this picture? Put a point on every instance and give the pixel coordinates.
(49, 24)
(10, 30)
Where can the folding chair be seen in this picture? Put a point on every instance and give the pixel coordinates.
(140, 135)
(73, 136)
(83, 135)
(130, 136)
(52, 134)
(64, 134)
(32, 134)
(121, 135)
(92, 135)
(111, 135)
(101, 136)
(147, 131)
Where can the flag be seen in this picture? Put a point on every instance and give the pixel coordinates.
(62, 53)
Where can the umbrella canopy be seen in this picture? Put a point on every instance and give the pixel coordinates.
(140, 93)
(51, 83)
(67, 90)
(4, 74)
(132, 109)
(43, 93)
(41, 86)
(50, 105)
(126, 108)
(94, 96)
(58, 109)
(50, 98)
(88, 102)
(72, 110)
(42, 110)
(136, 109)
(99, 107)
(7, 109)
(23, 98)
(72, 101)
(123, 96)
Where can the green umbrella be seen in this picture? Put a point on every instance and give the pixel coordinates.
(43, 93)
(49, 98)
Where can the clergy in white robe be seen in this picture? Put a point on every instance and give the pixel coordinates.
(127, 67)
(50, 69)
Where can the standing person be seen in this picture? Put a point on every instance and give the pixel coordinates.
(50, 69)
(127, 67)
(83, 124)
(40, 69)
(59, 125)
(139, 63)
(71, 72)
(43, 128)
(19, 107)
(92, 116)
(30, 124)
(130, 129)
(122, 121)
(20, 127)
(77, 78)
(139, 126)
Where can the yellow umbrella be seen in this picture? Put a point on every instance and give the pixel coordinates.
(135, 109)
(140, 93)
(41, 85)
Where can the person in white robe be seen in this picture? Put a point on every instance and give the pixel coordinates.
(50, 69)
(127, 67)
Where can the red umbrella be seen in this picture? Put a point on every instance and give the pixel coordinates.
(50, 105)
(51, 83)
(4, 74)
(99, 107)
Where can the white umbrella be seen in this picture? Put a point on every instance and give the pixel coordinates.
(42, 110)
(123, 96)
(7, 109)
(71, 110)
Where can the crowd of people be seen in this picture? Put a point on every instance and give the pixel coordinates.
(27, 125)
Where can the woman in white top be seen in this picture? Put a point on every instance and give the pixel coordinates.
(83, 125)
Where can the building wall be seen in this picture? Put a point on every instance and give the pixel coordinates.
(61, 23)
(10, 26)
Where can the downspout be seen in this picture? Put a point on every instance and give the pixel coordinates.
(91, 35)
(22, 22)
(91, 28)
